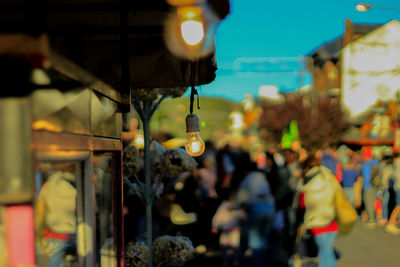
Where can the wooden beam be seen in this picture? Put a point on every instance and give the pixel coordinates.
(52, 141)
(100, 6)
(24, 44)
(75, 72)
(150, 30)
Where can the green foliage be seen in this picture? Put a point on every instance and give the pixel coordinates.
(213, 115)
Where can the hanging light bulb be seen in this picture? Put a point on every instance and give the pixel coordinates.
(190, 28)
(191, 25)
(194, 144)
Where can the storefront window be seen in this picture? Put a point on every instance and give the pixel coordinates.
(103, 177)
(56, 213)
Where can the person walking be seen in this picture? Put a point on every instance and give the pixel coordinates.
(227, 220)
(255, 197)
(349, 177)
(391, 226)
(369, 190)
(387, 174)
(318, 201)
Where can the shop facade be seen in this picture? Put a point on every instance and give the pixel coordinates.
(70, 70)
(61, 174)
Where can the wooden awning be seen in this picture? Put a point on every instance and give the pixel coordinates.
(118, 41)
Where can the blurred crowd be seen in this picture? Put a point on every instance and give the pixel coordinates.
(253, 206)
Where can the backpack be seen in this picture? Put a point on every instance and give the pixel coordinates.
(375, 176)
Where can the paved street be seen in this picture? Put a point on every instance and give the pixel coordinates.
(368, 247)
(364, 247)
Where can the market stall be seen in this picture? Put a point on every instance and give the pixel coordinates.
(69, 70)
(60, 159)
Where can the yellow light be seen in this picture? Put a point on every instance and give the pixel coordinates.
(190, 13)
(46, 125)
(362, 7)
(237, 120)
(192, 32)
(190, 29)
(139, 141)
(191, 25)
(194, 144)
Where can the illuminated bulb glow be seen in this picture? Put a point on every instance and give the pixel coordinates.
(191, 14)
(139, 141)
(362, 7)
(237, 120)
(191, 25)
(194, 144)
(192, 32)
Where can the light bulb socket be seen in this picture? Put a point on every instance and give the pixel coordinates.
(192, 123)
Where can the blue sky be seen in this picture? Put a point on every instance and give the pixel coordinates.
(280, 29)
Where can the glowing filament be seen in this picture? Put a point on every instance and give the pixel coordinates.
(194, 144)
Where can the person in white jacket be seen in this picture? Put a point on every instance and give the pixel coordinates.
(56, 216)
(318, 200)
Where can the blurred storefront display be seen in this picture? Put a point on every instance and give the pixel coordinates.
(61, 149)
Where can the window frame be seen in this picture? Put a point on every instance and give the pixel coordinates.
(63, 147)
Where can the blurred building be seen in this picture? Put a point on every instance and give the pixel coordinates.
(326, 59)
(360, 69)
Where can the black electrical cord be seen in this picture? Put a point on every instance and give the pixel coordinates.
(193, 92)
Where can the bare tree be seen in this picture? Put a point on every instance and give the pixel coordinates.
(326, 125)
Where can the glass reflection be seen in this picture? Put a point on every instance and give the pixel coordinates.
(104, 215)
(56, 214)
